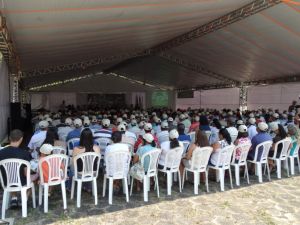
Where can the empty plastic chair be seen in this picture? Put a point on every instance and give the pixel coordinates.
(117, 167)
(172, 162)
(57, 174)
(11, 170)
(86, 168)
(198, 164)
(151, 159)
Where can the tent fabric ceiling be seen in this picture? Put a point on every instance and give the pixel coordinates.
(48, 33)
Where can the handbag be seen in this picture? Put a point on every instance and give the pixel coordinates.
(137, 171)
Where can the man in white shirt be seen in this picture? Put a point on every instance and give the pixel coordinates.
(252, 131)
(232, 130)
(38, 138)
(134, 128)
(164, 134)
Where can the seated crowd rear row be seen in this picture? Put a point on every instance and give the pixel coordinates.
(69, 148)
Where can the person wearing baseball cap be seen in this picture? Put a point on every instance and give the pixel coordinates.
(64, 130)
(147, 130)
(147, 146)
(134, 127)
(105, 132)
(252, 129)
(242, 139)
(262, 136)
(195, 124)
(94, 124)
(280, 134)
(164, 134)
(45, 150)
(168, 145)
(77, 131)
(40, 136)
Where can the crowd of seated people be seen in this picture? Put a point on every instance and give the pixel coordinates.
(140, 131)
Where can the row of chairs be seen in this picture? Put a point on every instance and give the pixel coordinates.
(117, 167)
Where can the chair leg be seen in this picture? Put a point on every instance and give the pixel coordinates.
(104, 186)
(268, 168)
(169, 182)
(131, 186)
(126, 189)
(247, 173)
(110, 191)
(237, 174)
(123, 186)
(8, 200)
(46, 190)
(292, 162)
(206, 180)
(157, 186)
(4, 201)
(221, 175)
(33, 196)
(183, 178)
(73, 188)
(179, 180)
(64, 194)
(40, 194)
(95, 191)
(278, 164)
(217, 176)
(24, 202)
(298, 163)
(78, 198)
(286, 165)
(259, 172)
(196, 182)
(145, 187)
(230, 177)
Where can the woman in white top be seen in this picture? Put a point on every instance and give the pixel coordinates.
(224, 140)
(168, 145)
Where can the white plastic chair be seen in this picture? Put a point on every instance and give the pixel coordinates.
(233, 137)
(103, 143)
(163, 138)
(13, 183)
(264, 149)
(117, 167)
(223, 164)
(242, 161)
(88, 174)
(57, 175)
(71, 145)
(59, 150)
(285, 143)
(192, 136)
(293, 157)
(172, 163)
(152, 157)
(198, 165)
(186, 145)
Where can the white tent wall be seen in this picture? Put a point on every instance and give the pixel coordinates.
(4, 99)
(216, 99)
(278, 96)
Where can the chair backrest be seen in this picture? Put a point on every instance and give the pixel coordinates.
(192, 136)
(103, 143)
(200, 158)
(240, 154)
(59, 150)
(152, 159)
(285, 143)
(186, 145)
(262, 150)
(162, 138)
(233, 137)
(224, 156)
(71, 144)
(11, 168)
(57, 168)
(117, 163)
(90, 165)
(173, 159)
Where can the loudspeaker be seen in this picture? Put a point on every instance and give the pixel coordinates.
(15, 116)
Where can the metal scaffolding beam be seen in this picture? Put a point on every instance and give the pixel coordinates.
(197, 68)
(217, 24)
(239, 14)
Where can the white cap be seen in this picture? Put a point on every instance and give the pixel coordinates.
(240, 122)
(274, 126)
(133, 122)
(132, 117)
(148, 137)
(121, 127)
(119, 120)
(148, 126)
(142, 124)
(49, 120)
(173, 134)
(252, 120)
(43, 124)
(78, 122)
(262, 126)
(46, 149)
(230, 113)
(165, 116)
(164, 125)
(170, 119)
(243, 129)
(251, 115)
(276, 115)
(68, 121)
(197, 118)
(182, 116)
(86, 122)
(94, 120)
(105, 122)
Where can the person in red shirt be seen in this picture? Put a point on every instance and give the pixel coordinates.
(195, 124)
(147, 129)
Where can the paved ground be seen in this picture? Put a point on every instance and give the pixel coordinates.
(276, 202)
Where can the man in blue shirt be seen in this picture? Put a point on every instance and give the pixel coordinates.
(261, 137)
(77, 131)
(182, 135)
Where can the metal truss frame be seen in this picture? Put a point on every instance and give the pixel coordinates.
(234, 16)
(243, 97)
